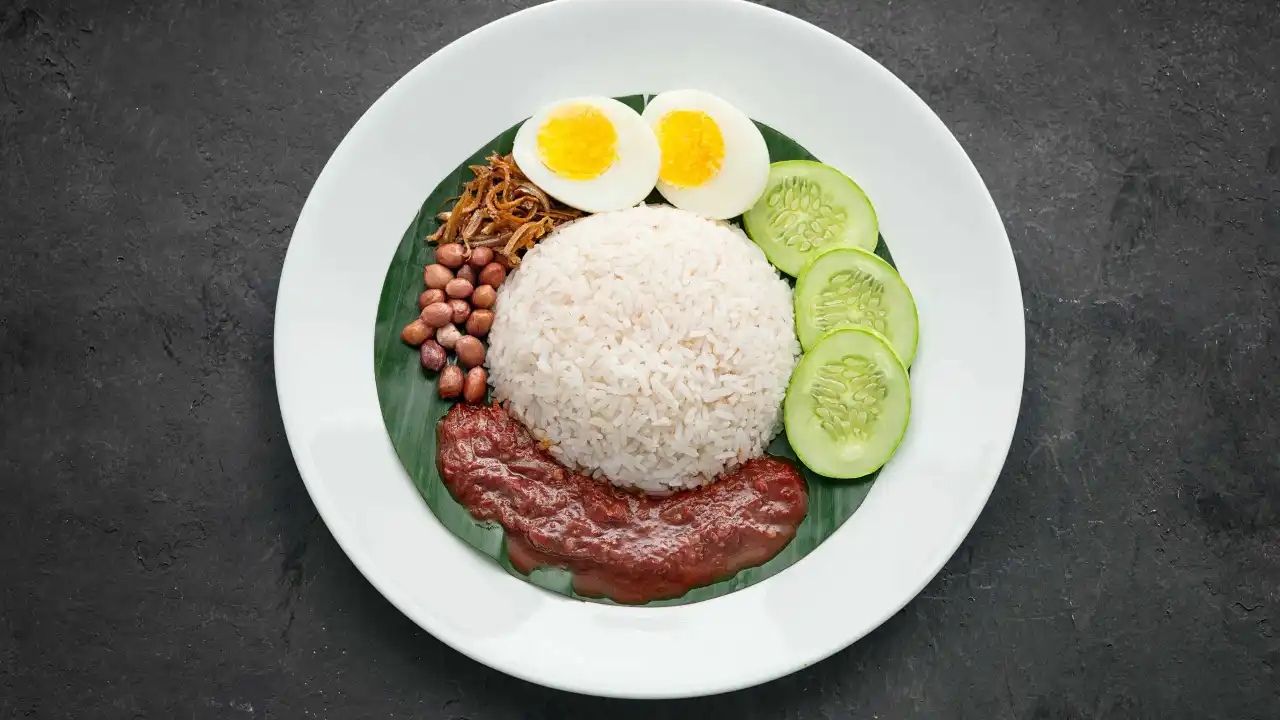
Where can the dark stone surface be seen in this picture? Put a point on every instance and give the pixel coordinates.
(159, 557)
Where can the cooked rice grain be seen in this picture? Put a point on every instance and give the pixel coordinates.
(650, 346)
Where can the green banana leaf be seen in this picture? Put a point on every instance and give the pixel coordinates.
(411, 408)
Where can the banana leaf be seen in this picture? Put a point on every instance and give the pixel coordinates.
(411, 407)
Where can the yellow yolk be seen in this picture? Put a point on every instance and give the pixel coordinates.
(692, 148)
(577, 142)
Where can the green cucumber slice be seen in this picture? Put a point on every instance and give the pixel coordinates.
(849, 287)
(808, 208)
(847, 405)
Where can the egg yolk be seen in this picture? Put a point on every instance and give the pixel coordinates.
(692, 148)
(577, 142)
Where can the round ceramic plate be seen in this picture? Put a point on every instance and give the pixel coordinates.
(949, 244)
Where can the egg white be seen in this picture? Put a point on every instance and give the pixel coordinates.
(625, 184)
(745, 170)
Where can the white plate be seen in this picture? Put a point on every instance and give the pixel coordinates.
(934, 210)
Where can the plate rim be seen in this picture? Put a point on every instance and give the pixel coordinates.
(325, 504)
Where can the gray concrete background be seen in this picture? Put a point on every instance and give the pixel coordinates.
(160, 558)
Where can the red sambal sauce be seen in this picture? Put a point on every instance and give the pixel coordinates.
(628, 547)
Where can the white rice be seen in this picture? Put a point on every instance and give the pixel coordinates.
(650, 346)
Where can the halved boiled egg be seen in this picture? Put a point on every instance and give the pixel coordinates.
(714, 160)
(591, 153)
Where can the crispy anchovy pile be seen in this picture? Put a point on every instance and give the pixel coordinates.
(501, 209)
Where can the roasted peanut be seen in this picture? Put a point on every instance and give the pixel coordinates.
(484, 297)
(437, 276)
(461, 310)
(493, 274)
(468, 273)
(437, 315)
(430, 296)
(433, 357)
(415, 333)
(451, 382)
(448, 336)
(452, 255)
(480, 257)
(473, 387)
(479, 322)
(458, 288)
(470, 351)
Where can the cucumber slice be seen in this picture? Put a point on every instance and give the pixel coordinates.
(854, 288)
(847, 405)
(806, 209)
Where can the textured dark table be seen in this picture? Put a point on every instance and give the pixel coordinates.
(160, 558)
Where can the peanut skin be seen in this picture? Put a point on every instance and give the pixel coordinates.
(430, 296)
(493, 274)
(480, 257)
(415, 333)
(451, 382)
(437, 315)
(479, 322)
(433, 356)
(470, 351)
(458, 288)
(484, 297)
(461, 310)
(474, 385)
(452, 255)
(436, 276)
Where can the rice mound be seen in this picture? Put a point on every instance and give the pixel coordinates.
(650, 347)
